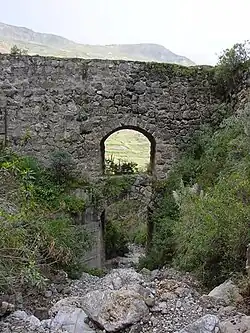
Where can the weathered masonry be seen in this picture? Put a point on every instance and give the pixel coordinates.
(75, 104)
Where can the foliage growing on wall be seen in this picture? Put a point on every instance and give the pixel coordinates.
(166, 70)
(227, 75)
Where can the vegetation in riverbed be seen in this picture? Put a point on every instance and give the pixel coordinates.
(37, 231)
(39, 208)
(126, 223)
(203, 208)
(202, 211)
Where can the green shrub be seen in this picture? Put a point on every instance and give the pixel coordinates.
(32, 276)
(62, 165)
(39, 238)
(230, 68)
(120, 168)
(213, 231)
(39, 232)
(132, 217)
(116, 241)
(115, 188)
(201, 212)
(95, 271)
(165, 212)
(47, 193)
(64, 241)
(18, 51)
(162, 250)
(73, 204)
(140, 235)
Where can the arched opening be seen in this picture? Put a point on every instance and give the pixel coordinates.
(128, 145)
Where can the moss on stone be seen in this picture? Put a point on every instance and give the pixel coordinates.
(163, 70)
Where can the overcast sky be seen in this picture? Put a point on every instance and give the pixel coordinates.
(198, 29)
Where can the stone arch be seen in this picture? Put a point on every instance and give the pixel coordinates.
(148, 135)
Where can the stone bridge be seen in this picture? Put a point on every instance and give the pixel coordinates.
(75, 104)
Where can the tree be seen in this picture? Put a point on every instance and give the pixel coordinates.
(230, 67)
(17, 51)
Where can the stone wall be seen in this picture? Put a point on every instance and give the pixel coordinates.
(74, 104)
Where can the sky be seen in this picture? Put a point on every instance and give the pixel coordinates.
(197, 29)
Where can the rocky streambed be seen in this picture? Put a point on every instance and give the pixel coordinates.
(128, 301)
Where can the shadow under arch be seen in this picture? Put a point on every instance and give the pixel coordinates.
(134, 128)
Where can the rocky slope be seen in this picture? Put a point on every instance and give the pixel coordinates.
(127, 301)
(48, 44)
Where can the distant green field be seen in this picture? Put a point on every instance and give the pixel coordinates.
(128, 145)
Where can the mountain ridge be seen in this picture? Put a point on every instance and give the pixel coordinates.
(54, 45)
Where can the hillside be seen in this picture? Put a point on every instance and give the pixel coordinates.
(53, 45)
(128, 145)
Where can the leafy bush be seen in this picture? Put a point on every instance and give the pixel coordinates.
(163, 246)
(17, 51)
(115, 239)
(165, 212)
(111, 189)
(230, 67)
(61, 165)
(74, 204)
(213, 231)
(201, 212)
(120, 168)
(132, 217)
(140, 234)
(38, 231)
(95, 271)
(40, 239)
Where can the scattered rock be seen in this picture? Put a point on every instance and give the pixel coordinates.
(235, 325)
(48, 293)
(22, 315)
(206, 324)
(114, 310)
(6, 308)
(228, 292)
(124, 300)
(145, 271)
(150, 301)
(65, 303)
(41, 313)
(121, 277)
(71, 319)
